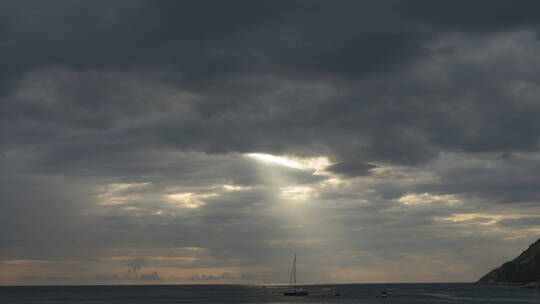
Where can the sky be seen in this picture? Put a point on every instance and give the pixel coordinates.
(153, 142)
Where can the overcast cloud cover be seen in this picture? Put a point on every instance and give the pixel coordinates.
(136, 140)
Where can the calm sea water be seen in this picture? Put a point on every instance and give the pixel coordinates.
(354, 293)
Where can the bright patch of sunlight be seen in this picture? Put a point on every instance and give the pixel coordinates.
(427, 198)
(194, 248)
(333, 182)
(118, 193)
(234, 188)
(122, 186)
(190, 200)
(276, 160)
(313, 163)
(297, 193)
(477, 218)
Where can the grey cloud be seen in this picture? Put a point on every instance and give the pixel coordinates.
(382, 119)
(478, 17)
(125, 35)
(485, 176)
(351, 169)
(523, 222)
(285, 37)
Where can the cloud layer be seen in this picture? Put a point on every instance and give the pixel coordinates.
(397, 140)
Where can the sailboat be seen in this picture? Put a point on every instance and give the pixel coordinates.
(292, 283)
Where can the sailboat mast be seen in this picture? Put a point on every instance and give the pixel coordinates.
(294, 272)
(292, 283)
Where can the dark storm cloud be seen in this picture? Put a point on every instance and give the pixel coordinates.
(477, 17)
(200, 39)
(209, 37)
(191, 45)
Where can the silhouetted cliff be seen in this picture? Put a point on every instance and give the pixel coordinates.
(523, 269)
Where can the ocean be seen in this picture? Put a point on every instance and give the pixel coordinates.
(350, 293)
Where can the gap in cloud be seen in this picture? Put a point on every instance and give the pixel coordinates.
(302, 163)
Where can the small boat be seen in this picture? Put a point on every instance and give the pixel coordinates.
(293, 291)
(384, 294)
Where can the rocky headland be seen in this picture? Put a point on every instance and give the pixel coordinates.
(523, 270)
